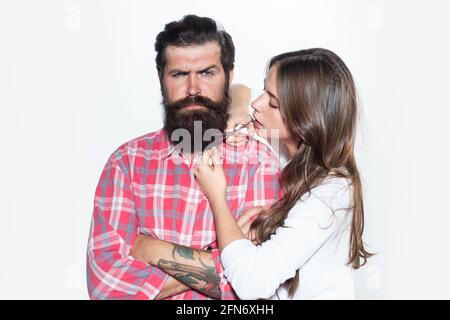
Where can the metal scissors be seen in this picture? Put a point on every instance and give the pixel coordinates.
(236, 130)
(242, 125)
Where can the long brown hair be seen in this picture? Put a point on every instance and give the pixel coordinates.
(318, 102)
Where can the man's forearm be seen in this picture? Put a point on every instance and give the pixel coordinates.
(194, 268)
(171, 288)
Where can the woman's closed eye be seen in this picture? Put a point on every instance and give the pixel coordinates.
(273, 106)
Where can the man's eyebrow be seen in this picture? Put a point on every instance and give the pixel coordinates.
(213, 66)
(173, 71)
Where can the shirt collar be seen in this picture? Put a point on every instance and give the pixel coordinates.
(167, 147)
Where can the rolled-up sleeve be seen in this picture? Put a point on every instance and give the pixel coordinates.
(111, 272)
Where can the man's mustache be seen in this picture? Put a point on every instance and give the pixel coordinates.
(194, 100)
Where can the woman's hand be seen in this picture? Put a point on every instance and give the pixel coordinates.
(245, 221)
(211, 177)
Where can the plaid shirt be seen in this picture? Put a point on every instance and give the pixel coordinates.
(148, 187)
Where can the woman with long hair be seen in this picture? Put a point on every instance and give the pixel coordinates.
(307, 244)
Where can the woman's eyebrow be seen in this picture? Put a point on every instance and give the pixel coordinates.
(271, 95)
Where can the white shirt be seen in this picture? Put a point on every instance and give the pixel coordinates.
(315, 241)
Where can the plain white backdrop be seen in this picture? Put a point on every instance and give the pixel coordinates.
(78, 78)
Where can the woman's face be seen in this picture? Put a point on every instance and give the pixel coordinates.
(269, 122)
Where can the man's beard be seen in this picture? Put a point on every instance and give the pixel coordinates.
(194, 130)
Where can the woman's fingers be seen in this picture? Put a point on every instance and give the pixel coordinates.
(216, 157)
(205, 158)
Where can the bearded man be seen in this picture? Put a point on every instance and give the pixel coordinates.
(147, 189)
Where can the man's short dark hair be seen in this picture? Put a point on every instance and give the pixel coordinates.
(194, 30)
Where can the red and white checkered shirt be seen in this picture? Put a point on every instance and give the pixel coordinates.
(148, 187)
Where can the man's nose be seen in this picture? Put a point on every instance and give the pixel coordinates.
(193, 88)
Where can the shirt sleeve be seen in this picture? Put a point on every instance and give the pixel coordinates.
(111, 272)
(257, 271)
(263, 190)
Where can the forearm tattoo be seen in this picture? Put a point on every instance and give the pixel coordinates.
(193, 273)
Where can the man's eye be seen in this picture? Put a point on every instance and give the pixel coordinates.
(179, 74)
(208, 73)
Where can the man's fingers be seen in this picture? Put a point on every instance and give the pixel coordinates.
(251, 214)
(241, 222)
(246, 219)
(252, 236)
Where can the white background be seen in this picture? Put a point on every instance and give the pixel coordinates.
(77, 79)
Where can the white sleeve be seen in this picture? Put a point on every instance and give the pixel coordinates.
(258, 271)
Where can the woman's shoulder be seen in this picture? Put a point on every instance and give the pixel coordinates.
(333, 192)
(332, 187)
(327, 203)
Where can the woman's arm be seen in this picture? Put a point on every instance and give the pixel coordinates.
(211, 178)
(257, 271)
(227, 229)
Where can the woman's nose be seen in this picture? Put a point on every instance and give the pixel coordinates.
(258, 103)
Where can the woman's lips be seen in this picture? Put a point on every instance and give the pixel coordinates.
(257, 124)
